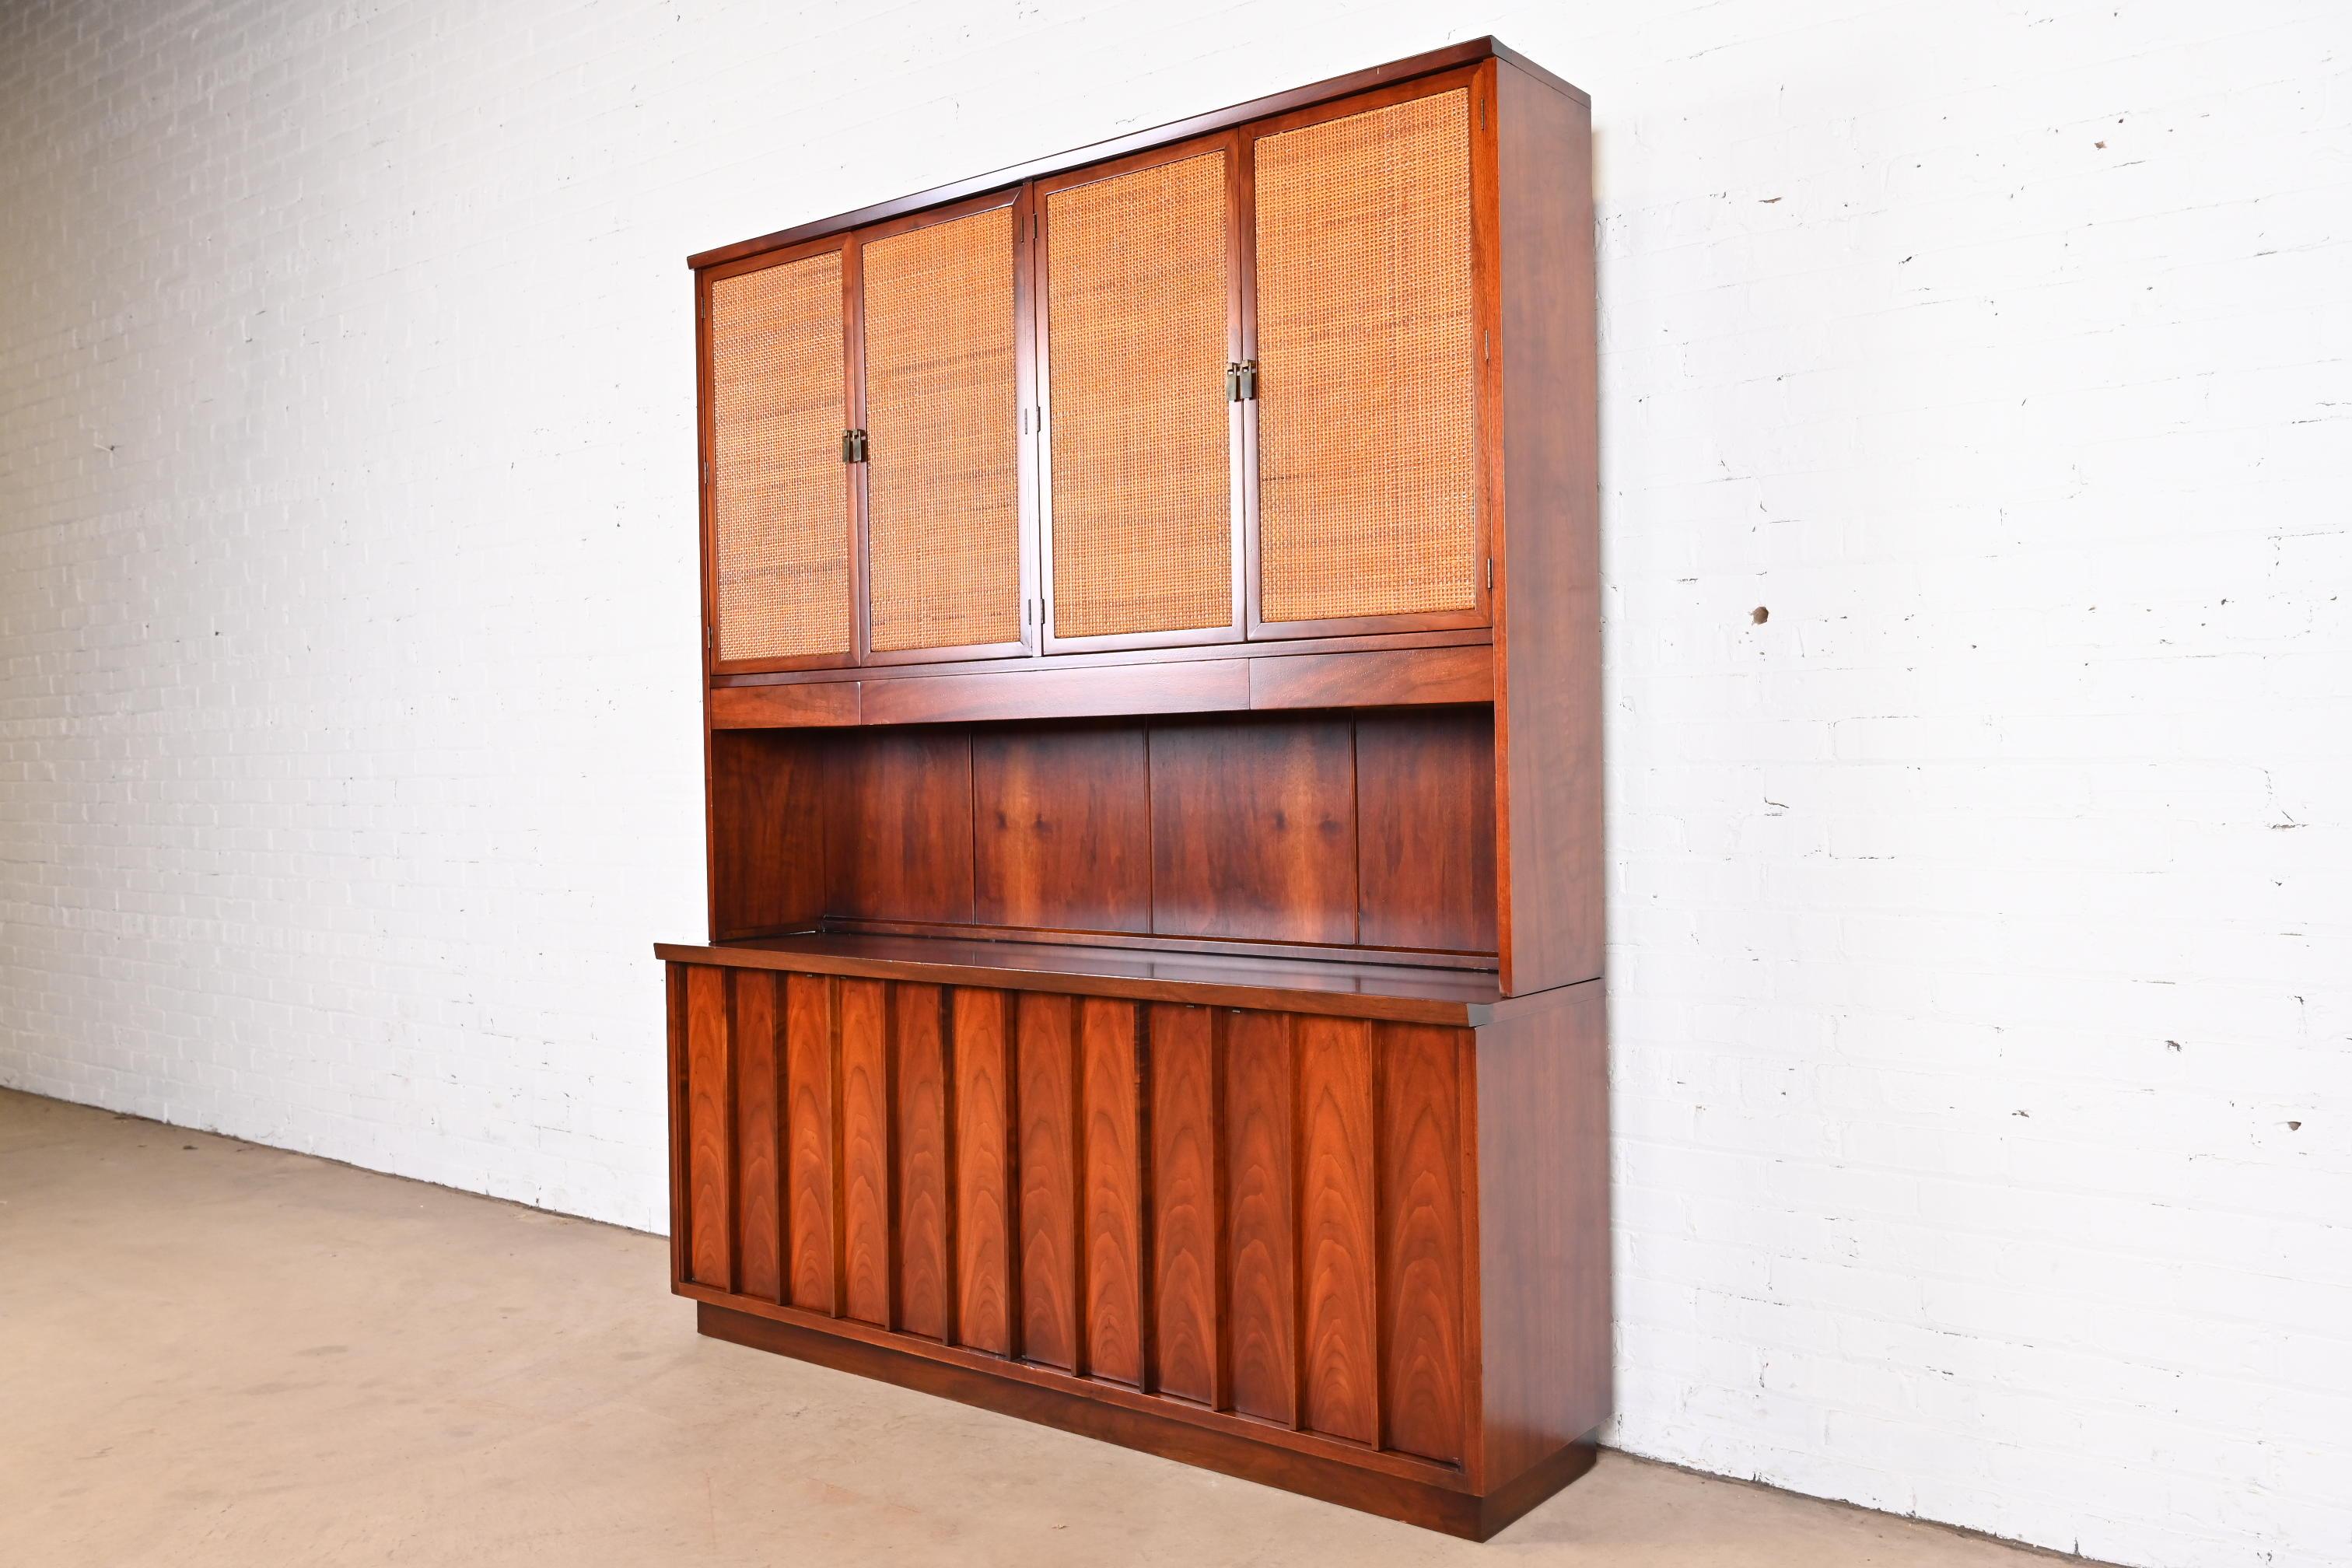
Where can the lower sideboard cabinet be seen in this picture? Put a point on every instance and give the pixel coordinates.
(1354, 1246)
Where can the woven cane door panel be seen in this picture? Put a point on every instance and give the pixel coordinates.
(1366, 462)
(1138, 318)
(942, 418)
(779, 507)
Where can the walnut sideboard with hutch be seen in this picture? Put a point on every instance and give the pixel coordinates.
(1153, 699)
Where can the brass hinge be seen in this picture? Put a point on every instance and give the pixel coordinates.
(852, 445)
(1490, 573)
(1241, 382)
(705, 470)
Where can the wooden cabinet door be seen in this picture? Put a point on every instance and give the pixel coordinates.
(1370, 338)
(779, 560)
(1139, 322)
(945, 382)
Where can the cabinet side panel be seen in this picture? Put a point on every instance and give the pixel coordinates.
(925, 1158)
(1547, 700)
(1262, 1235)
(987, 1280)
(812, 1266)
(1187, 1201)
(1050, 1329)
(709, 1175)
(758, 1184)
(1112, 1150)
(1543, 1229)
(1422, 1255)
(866, 1149)
(1338, 1245)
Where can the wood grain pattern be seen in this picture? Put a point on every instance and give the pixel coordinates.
(767, 834)
(813, 1250)
(866, 1117)
(1394, 678)
(709, 1172)
(1253, 830)
(1062, 828)
(759, 1133)
(807, 704)
(1262, 1265)
(1338, 1308)
(1421, 1256)
(987, 1226)
(1051, 1326)
(1180, 687)
(1548, 701)
(1425, 824)
(1187, 1271)
(1542, 1156)
(1111, 1154)
(900, 846)
(924, 1163)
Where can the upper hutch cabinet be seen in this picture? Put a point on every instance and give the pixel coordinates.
(1153, 731)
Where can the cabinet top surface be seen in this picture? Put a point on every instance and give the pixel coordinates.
(1450, 57)
(1345, 988)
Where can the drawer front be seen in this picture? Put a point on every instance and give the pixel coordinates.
(1250, 1218)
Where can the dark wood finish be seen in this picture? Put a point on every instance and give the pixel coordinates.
(1548, 696)
(812, 1044)
(758, 1135)
(1262, 1327)
(1337, 1250)
(1422, 1255)
(901, 839)
(1062, 829)
(766, 825)
(1049, 1399)
(1196, 1043)
(807, 705)
(1331, 985)
(1114, 658)
(1210, 687)
(710, 1178)
(924, 1161)
(1111, 1165)
(1188, 1203)
(1052, 1288)
(1426, 826)
(866, 1119)
(987, 1227)
(1254, 831)
(1399, 677)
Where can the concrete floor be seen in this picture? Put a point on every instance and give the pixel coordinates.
(214, 1353)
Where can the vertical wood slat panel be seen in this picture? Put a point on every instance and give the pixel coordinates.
(813, 1272)
(709, 1172)
(1338, 1305)
(675, 977)
(1187, 1182)
(1263, 1311)
(925, 1165)
(987, 1211)
(1421, 1244)
(866, 1007)
(1112, 1148)
(759, 1172)
(1049, 1161)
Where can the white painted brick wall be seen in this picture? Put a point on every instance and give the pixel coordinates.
(1982, 960)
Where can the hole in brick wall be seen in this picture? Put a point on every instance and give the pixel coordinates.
(1759, 615)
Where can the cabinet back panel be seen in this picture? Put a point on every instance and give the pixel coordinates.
(1062, 828)
(1253, 830)
(1368, 467)
(942, 418)
(1375, 829)
(779, 502)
